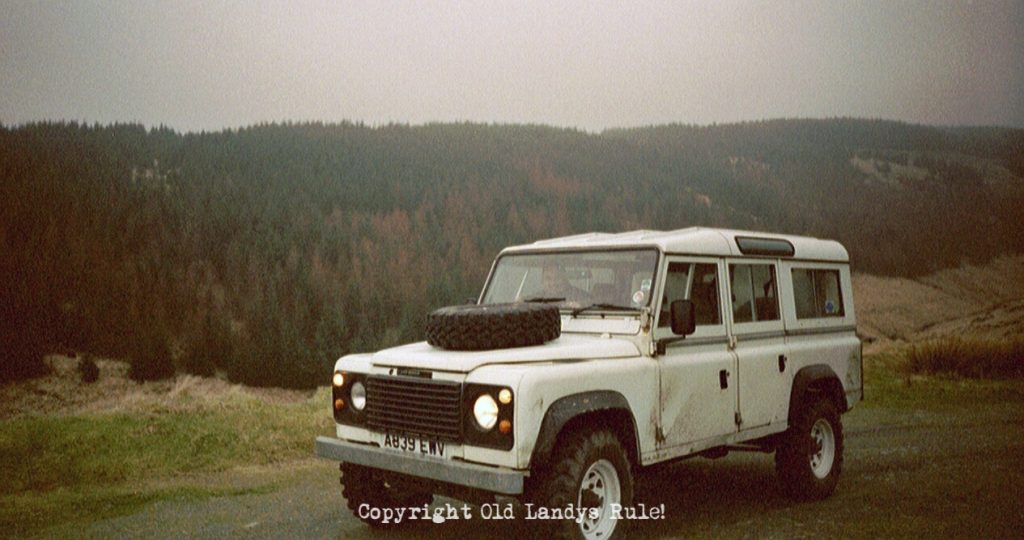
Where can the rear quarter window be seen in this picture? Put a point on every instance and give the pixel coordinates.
(816, 293)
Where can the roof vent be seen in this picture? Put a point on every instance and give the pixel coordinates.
(752, 245)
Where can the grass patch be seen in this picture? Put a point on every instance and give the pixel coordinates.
(27, 513)
(971, 358)
(94, 466)
(889, 383)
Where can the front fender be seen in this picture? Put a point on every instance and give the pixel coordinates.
(563, 410)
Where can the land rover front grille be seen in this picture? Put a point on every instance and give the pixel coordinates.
(414, 406)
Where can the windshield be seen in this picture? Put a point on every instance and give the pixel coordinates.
(575, 279)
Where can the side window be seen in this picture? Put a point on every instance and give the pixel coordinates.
(703, 292)
(754, 293)
(766, 301)
(816, 293)
(675, 289)
(742, 293)
(803, 293)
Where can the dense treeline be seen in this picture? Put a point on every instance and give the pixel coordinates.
(265, 253)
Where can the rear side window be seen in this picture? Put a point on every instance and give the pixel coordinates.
(816, 293)
(754, 296)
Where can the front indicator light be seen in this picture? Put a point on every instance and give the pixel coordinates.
(504, 427)
(485, 411)
(339, 379)
(358, 396)
(338, 404)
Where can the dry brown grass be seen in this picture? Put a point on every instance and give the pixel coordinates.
(968, 357)
(986, 302)
(63, 393)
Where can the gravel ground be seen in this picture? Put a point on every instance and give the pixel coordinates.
(907, 473)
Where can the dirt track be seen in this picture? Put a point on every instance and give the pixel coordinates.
(939, 473)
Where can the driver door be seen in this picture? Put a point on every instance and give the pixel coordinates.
(698, 383)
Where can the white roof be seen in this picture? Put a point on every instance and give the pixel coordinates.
(691, 241)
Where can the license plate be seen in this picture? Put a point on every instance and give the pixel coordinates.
(415, 445)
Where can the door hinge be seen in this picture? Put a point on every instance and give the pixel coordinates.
(659, 435)
(738, 419)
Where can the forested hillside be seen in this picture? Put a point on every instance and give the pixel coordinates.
(267, 252)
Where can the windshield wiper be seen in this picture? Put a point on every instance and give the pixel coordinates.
(545, 299)
(601, 305)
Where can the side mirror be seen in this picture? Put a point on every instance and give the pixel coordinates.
(684, 319)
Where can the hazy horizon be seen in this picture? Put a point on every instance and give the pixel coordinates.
(194, 66)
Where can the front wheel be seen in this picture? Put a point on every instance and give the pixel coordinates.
(811, 456)
(368, 492)
(591, 474)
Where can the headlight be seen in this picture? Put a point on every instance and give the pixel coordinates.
(485, 410)
(358, 396)
(349, 394)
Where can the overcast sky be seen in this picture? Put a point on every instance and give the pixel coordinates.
(591, 65)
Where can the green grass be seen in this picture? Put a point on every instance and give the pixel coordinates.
(93, 466)
(889, 382)
(31, 512)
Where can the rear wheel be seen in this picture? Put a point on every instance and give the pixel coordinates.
(368, 492)
(590, 473)
(811, 456)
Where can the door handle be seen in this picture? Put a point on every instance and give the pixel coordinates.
(782, 363)
(723, 379)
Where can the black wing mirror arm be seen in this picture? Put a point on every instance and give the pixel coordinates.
(661, 344)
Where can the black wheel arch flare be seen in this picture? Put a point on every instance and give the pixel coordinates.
(816, 378)
(565, 409)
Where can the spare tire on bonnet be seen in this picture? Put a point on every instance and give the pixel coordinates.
(474, 327)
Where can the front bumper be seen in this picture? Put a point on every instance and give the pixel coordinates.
(492, 479)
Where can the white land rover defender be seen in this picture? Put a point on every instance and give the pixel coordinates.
(589, 357)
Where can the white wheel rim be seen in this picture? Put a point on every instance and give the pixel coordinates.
(823, 448)
(599, 489)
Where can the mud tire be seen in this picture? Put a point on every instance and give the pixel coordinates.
(810, 458)
(475, 327)
(581, 458)
(361, 485)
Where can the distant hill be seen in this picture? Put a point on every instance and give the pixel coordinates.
(266, 252)
(983, 302)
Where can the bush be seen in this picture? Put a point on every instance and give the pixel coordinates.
(21, 354)
(972, 358)
(88, 369)
(211, 347)
(150, 357)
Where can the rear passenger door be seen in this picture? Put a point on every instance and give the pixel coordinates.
(760, 342)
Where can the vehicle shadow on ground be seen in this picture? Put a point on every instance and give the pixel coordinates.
(700, 497)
